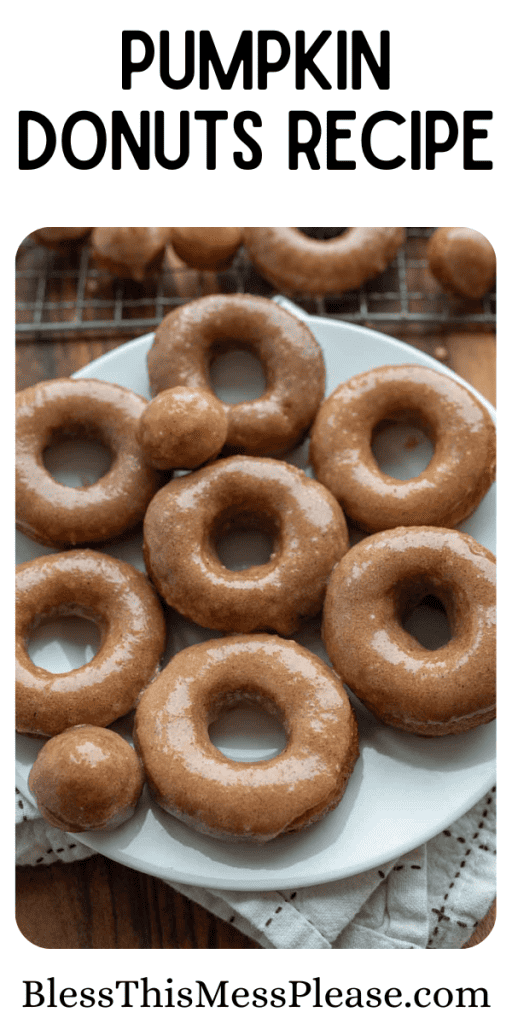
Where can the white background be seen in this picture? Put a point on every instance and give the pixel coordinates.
(58, 58)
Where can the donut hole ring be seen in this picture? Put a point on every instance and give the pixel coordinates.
(59, 516)
(185, 519)
(255, 531)
(404, 432)
(190, 778)
(190, 338)
(249, 724)
(130, 620)
(461, 430)
(425, 611)
(432, 692)
(299, 264)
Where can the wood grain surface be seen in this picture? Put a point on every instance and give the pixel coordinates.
(99, 904)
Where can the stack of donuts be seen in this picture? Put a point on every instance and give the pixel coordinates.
(192, 468)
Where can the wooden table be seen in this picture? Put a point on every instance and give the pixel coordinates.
(99, 904)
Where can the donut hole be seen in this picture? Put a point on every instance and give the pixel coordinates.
(243, 539)
(402, 446)
(247, 727)
(322, 234)
(62, 643)
(236, 374)
(424, 614)
(77, 458)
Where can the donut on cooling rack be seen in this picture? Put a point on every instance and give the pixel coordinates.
(86, 778)
(462, 260)
(206, 248)
(297, 264)
(57, 238)
(188, 340)
(457, 477)
(190, 514)
(369, 595)
(191, 779)
(129, 252)
(124, 605)
(59, 516)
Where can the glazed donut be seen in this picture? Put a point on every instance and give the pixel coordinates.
(189, 339)
(236, 800)
(462, 260)
(129, 252)
(59, 516)
(57, 238)
(297, 264)
(206, 248)
(187, 517)
(182, 428)
(128, 613)
(460, 472)
(380, 580)
(86, 778)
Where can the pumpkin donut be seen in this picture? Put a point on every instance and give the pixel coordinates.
(59, 238)
(59, 516)
(370, 593)
(189, 339)
(187, 517)
(128, 613)
(462, 260)
(298, 264)
(458, 475)
(193, 780)
(206, 248)
(129, 252)
(86, 778)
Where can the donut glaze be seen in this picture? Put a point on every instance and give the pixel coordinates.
(182, 428)
(458, 475)
(296, 263)
(188, 516)
(129, 252)
(462, 260)
(191, 779)
(59, 516)
(206, 248)
(189, 339)
(430, 692)
(86, 778)
(122, 602)
(56, 238)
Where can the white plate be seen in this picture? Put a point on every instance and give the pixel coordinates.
(404, 788)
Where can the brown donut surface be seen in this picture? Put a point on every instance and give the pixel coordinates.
(86, 778)
(128, 613)
(297, 264)
(191, 779)
(189, 339)
(187, 517)
(56, 238)
(206, 248)
(462, 260)
(60, 516)
(458, 475)
(430, 692)
(129, 252)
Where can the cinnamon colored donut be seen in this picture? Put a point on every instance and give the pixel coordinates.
(191, 779)
(57, 238)
(129, 252)
(370, 593)
(206, 248)
(297, 264)
(86, 778)
(188, 340)
(462, 260)
(123, 604)
(59, 516)
(187, 517)
(458, 475)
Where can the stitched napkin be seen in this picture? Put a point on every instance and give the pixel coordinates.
(431, 898)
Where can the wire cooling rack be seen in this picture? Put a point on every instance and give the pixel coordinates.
(66, 294)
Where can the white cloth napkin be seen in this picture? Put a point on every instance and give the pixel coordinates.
(431, 898)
